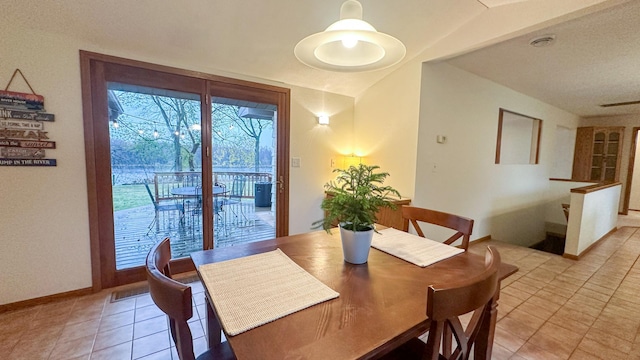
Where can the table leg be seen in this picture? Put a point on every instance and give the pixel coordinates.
(213, 327)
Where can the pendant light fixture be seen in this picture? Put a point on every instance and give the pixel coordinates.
(350, 45)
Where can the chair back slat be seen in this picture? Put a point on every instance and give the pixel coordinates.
(462, 225)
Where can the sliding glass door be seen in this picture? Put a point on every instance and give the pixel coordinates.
(199, 159)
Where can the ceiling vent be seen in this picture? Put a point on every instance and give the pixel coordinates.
(542, 41)
(621, 104)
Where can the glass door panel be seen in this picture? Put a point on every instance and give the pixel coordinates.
(244, 152)
(156, 171)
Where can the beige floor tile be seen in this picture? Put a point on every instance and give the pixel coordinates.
(150, 326)
(79, 330)
(121, 351)
(113, 337)
(150, 344)
(579, 354)
(515, 328)
(608, 339)
(518, 294)
(117, 320)
(532, 352)
(556, 340)
(595, 348)
(74, 348)
(507, 340)
(500, 353)
(148, 312)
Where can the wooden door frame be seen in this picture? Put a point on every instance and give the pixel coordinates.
(94, 105)
(632, 159)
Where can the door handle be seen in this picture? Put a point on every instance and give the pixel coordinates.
(280, 183)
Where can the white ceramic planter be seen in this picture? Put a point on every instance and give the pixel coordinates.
(356, 245)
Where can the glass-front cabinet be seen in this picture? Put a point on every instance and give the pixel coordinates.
(597, 153)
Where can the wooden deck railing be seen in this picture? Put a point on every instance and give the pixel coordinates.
(164, 182)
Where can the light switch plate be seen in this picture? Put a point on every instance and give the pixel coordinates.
(295, 162)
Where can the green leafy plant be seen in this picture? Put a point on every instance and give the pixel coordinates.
(355, 196)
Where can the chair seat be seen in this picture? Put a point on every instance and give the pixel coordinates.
(220, 352)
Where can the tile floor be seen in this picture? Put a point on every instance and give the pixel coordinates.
(553, 308)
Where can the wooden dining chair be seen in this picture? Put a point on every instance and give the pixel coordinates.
(462, 225)
(445, 305)
(175, 300)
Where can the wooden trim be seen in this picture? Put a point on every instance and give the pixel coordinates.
(567, 180)
(591, 247)
(87, 115)
(596, 187)
(499, 141)
(177, 71)
(45, 299)
(539, 140)
(632, 159)
(499, 137)
(479, 240)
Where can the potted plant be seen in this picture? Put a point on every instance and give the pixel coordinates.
(352, 202)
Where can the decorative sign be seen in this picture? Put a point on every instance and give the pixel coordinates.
(22, 135)
(18, 153)
(28, 144)
(27, 162)
(26, 115)
(18, 124)
(22, 101)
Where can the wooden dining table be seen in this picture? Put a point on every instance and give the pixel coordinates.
(382, 303)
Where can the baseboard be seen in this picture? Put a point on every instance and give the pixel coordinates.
(577, 257)
(484, 238)
(44, 300)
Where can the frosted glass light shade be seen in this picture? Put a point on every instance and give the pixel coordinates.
(350, 45)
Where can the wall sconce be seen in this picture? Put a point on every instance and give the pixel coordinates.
(352, 160)
(323, 119)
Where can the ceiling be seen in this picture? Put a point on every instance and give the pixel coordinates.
(251, 37)
(591, 62)
(595, 60)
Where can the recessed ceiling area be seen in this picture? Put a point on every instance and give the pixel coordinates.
(594, 60)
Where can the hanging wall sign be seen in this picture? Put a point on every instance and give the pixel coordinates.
(25, 115)
(28, 162)
(28, 144)
(22, 136)
(18, 124)
(18, 153)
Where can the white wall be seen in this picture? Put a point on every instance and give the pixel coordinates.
(44, 242)
(465, 108)
(558, 193)
(386, 120)
(564, 149)
(592, 216)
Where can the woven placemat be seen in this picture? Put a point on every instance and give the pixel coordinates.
(412, 248)
(254, 290)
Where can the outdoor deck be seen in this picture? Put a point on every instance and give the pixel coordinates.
(134, 236)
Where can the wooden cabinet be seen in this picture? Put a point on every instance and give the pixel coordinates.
(389, 217)
(597, 153)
